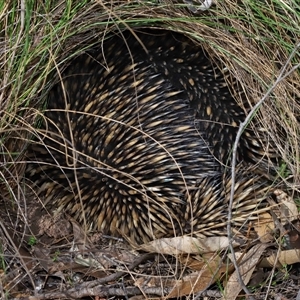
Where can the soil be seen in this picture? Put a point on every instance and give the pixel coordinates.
(49, 256)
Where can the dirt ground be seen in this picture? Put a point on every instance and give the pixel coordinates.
(49, 256)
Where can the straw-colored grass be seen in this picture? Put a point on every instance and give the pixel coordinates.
(253, 39)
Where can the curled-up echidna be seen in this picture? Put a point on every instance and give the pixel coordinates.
(135, 138)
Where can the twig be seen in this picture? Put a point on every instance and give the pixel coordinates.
(234, 154)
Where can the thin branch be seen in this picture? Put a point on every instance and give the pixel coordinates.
(242, 127)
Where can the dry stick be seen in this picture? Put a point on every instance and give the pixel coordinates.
(240, 131)
(14, 243)
(96, 287)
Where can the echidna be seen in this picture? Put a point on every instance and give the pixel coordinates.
(135, 139)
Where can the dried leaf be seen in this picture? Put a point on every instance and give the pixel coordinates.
(264, 227)
(289, 211)
(246, 268)
(287, 257)
(199, 281)
(198, 262)
(186, 244)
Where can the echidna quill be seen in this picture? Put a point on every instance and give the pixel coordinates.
(135, 139)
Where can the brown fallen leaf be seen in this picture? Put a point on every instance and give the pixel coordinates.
(246, 268)
(198, 262)
(264, 227)
(288, 208)
(199, 281)
(278, 259)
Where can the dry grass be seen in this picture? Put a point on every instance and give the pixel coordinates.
(253, 39)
